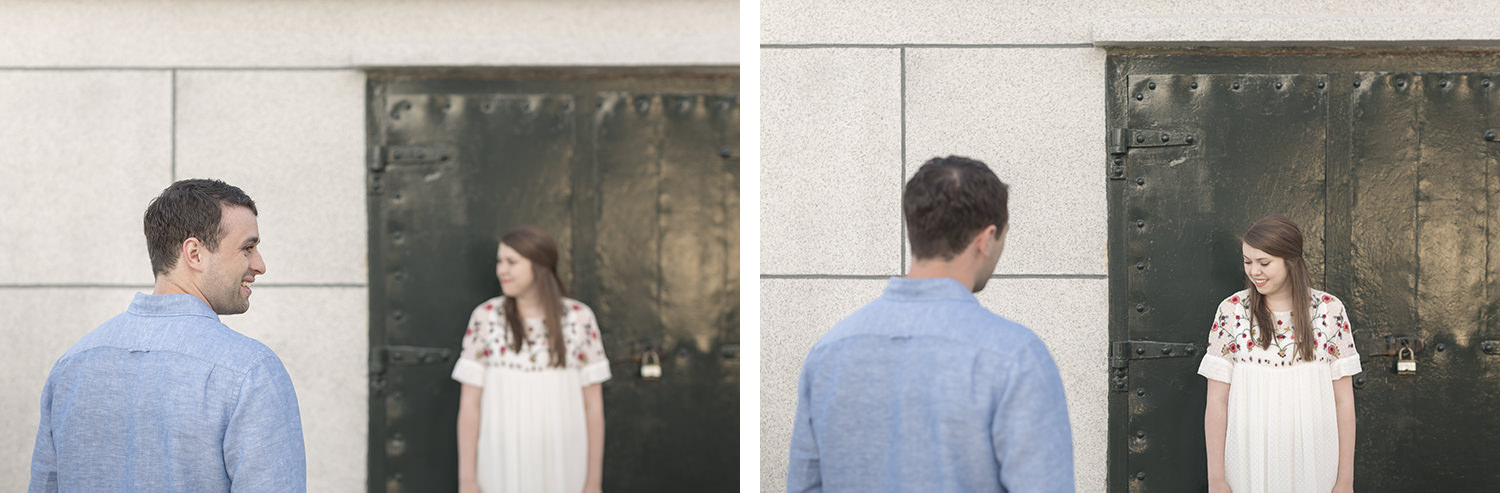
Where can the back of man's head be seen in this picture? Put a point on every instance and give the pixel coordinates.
(189, 209)
(948, 201)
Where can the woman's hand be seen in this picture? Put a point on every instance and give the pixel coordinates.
(1222, 486)
(470, 486)
(1343, 487)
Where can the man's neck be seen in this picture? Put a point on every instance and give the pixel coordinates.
(167, 285)
(936, 268)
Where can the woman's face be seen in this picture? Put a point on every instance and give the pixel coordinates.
(1266, 271)
(514, 272)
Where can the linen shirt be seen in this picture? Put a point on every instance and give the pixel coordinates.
(925, 390)
(164, 397)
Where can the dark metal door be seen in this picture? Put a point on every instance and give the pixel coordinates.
(636, 176)
(1390, 172)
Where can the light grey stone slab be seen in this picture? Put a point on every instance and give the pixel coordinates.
(85, 151)
(795, 313)
(1072, 318)
(295, 142)
(1069, 315)
(321, 335)
(1036, 117)
(946, 22)
(345, 33)
(830, 168)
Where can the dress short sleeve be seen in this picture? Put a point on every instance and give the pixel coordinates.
(1217, 363)
(594, 366)
(1340, 346)
(470, 367)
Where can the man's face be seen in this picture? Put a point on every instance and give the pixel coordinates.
(231, 269)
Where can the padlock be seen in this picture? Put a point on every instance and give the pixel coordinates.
(650, 366)
(1406, 361)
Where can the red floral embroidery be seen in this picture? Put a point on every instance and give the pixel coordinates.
(1234, 299)
(576, 307)
(487, 351)
(1327, 299)
(489, 306)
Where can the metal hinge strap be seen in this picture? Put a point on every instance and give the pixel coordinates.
(400, 155)
(1121, 352)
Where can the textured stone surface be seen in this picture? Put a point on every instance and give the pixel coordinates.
(794, 314)
(1083, 21)
(1069, 315)
(321, 335)
(295, 142)
(84, 153)
(1036, 116)
(830, 161)
(344, 33)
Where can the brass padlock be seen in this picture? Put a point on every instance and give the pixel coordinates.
(1406, 362)
(650, 365)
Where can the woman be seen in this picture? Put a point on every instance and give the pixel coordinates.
(531, 416)
(1280, 412)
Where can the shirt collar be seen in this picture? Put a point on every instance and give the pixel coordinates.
(166, 305)
(929, 289)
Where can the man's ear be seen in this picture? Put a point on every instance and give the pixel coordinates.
(985, 240)
(193, 255)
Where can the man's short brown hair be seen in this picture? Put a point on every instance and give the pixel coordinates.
(189, 209)
(948, 201)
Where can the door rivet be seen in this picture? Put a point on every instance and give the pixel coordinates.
(1193, 85)
(1119, 160)
(1140, 223)
(1140, 138)
(1165, 137)
(1139, 96)
(1321, 84)
(1140, 350)
(1140, 391)
(1140, 181)
(1140, 476)
(1278, 84)
(1356, 83)
(1140, 265)
(1140, 433)
(1190, 349)
(1484, 83)
(1140, 307)
(1400, 83)
(1151, 86)
(1166, 350)
(1189, 139)
(1443, 83)
(1489, 346)
(1489, 135)
(1440, 347)
(1235, 86)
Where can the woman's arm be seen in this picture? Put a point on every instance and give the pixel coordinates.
(593, 407)
(468, 436)
(1215, 422)
(1343, 400)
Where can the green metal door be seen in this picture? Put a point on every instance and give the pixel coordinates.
(1393, 179)
(636, 176)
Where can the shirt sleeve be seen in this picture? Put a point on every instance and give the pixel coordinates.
(470, 367)
(803, 470)
(1217, 363)
(590, 354)
(44, 454)
(1032, 438)
(1340, 345)
(263, 448)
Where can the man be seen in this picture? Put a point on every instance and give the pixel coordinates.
(923, 389)
(165, 397)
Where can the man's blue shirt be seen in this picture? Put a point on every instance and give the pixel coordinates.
(924, 389)
(164, 397)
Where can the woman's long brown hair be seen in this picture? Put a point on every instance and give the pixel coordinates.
(538, 247)
(1280, 237)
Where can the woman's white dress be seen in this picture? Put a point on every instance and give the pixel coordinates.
(533, 436)
(1282, 433)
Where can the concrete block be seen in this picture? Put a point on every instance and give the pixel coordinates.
(85, 151)
(345, 33)
(795, 313)
(322, 335)
(1072, 318)
(1036, 116)
(295, 142)
(39, 325)
(1131, 21)
(830, 161)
